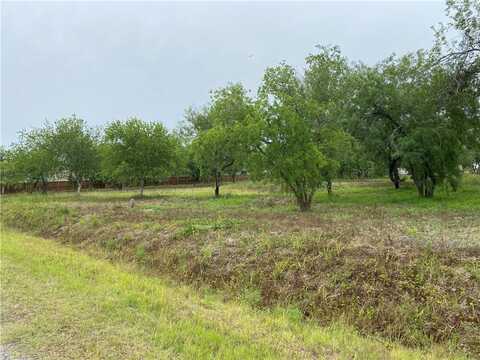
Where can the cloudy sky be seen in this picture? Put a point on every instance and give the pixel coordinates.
(112, 60)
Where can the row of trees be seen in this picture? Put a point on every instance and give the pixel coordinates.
(419, 112)
(127, 152)
(68, 146)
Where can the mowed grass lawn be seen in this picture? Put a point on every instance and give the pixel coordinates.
(380, 261)
(60, 304)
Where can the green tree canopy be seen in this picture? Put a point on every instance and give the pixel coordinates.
(325, 84)
(286, 147)
(9, 169)
(34, 156)
(221, 147)
(135, 150)
(404, 116)
(75, 146)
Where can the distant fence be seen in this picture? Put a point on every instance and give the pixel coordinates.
(65, 185)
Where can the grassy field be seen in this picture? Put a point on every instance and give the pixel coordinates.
(380, 260)
(59, 304)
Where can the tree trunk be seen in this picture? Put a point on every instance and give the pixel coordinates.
(393, 173)
(429, 189)
(304, 202)
(329, 186)
(79, 186)
(425, 186)
(233, 177)
(304, 205)
(217, 184)
(142, 186)
(44, 186)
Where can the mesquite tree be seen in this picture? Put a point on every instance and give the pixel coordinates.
(404, 114)
(439, 125)
(34, 157)
(216, 150)
(135, 150)
(376, 112)
(75, 146)
(219, 146)
(325, 86)
(10, 173)
(284, 141)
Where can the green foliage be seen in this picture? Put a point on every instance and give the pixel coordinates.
(325, 81)
(221, 146)
(285, 145)
(181, 159)
(299, 136)
(9, 169)
(376, 109)
(35, 158)
(194, 123)
(337, 146)
(462, 51)
(216, 150)
(405, 117)
(135, 151)
(75, 146)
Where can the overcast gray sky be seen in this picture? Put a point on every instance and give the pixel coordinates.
(111, 60)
